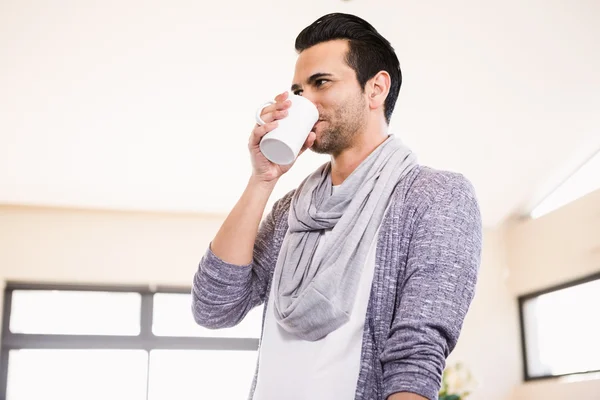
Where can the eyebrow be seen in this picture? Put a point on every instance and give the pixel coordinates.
(312, 79)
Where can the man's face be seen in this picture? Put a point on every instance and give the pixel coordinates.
(323, 76)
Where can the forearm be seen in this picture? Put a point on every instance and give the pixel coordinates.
(406, 396)
(234, 243)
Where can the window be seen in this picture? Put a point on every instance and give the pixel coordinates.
(75, 312)
(585, 180)
(124, 342)
(559, 329)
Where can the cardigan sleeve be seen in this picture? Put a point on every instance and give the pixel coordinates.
(435, 291)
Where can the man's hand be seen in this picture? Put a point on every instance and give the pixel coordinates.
(264, 170)
(406, 396)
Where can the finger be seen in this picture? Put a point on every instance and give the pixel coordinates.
(275, 107)
(280, 98)
(260, 131)
(283, 105)
(274, 116)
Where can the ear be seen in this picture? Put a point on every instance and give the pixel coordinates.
(377, 89)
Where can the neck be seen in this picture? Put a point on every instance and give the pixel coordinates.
(344, 163)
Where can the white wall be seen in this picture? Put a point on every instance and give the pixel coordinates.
(556, 248)
(59, 245)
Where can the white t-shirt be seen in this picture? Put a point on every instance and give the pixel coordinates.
(294, 369)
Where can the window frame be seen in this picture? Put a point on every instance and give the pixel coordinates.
(521, 301)
(145, 340)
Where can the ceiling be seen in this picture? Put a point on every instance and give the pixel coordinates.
(138, 105)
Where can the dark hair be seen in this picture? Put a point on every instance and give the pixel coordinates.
(369, 52)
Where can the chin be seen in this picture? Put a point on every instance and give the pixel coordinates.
(316, 148)
(320, 149)
(318, 145)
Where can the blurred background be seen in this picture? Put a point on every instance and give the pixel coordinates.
(123, 145)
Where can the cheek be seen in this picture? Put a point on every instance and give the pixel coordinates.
(331, 103)
(335, 100)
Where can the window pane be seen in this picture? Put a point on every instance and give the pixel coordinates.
(75, 312)
(561, 331)
(201, 374)
(173, 317)
(77, 374)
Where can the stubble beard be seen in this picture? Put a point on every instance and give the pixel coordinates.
(340, 135)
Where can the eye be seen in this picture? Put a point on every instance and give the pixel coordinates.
(320, 82)
(298, 92)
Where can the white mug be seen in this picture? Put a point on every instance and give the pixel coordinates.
(282, 145)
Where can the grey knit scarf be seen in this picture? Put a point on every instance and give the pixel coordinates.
(314, 292)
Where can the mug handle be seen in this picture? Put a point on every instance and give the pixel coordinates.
(257, 117)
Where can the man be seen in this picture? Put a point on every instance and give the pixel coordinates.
(368, 268)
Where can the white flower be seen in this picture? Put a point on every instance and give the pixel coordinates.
(459, 380)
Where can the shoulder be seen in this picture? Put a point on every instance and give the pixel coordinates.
(428, 184)
(427, 189)
(425, 185)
